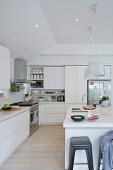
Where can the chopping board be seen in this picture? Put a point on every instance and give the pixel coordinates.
(12, 109)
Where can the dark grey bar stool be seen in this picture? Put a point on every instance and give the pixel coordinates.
(80, 143)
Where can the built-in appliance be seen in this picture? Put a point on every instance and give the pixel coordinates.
(37, 84)
(61, 98)
(34, 114)
(96, 89)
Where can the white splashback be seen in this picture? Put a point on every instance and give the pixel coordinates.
(12, 97)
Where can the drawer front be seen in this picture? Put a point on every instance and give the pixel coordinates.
(17, 138)
(18, 121)
(56, 118)
(11, 125)
(54, 109)
(4, 130)
(4, 152)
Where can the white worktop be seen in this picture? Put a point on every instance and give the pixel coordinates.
(6, 115)
(50, 102)
(105, 118)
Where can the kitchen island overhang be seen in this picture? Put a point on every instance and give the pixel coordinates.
(94, 130)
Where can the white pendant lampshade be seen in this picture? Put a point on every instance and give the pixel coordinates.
(87, 76)
(96, 69)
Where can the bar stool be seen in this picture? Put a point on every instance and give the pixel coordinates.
(80, 143)
(100, 158)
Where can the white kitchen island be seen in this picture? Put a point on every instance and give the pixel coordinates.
(93, 130)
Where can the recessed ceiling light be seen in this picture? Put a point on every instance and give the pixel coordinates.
(36, 25)
(76, 19)
(91, 39)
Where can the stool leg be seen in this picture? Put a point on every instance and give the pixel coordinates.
(90, 158)
(71, 158)
(99, 159)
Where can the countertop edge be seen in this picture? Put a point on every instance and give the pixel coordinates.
(7, 115)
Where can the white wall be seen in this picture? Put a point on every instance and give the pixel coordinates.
(69, 60)
(12, 97)
(11, 69)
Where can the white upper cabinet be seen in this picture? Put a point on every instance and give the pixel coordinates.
(70, 84)
(54, 77)
(49, 78)
(4, 68)
(59, 78)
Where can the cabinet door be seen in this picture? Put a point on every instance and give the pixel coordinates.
(70, 84)
(49, 77)
(59, 78)
(4, 151)
(53, 113)
(4, 68)
(81, 84)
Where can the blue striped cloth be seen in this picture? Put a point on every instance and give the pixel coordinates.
(107, 150)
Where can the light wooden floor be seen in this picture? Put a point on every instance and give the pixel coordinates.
(42, 151)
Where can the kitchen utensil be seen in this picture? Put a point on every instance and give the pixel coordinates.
(77, 118)
(7, 108)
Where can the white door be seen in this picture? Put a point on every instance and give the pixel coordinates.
(81, 84)
(4, 68)
(59, 78)
(70, 84)
(49, 77)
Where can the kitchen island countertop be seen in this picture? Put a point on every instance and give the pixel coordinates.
(105, 118)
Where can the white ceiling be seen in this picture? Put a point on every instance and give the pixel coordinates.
(61, 16)
(17, 28)
(56, 20)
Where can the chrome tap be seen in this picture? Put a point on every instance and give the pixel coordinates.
(84, 96)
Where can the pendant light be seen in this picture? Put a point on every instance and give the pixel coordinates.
(88, 74)
(95, 68)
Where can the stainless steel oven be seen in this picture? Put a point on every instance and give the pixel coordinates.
(34, 118)
(37, 84)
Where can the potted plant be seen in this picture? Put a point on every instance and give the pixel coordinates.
(104, 101)
(53, 98)
(15, 88)
(40, 98)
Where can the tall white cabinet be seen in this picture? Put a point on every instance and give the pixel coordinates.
(70, 84)
(4, 68)
(75, 84)
(81, 84)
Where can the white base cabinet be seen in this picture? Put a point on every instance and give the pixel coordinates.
(13, 132)
(51, 113)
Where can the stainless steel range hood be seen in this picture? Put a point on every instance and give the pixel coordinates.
(20, 71)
